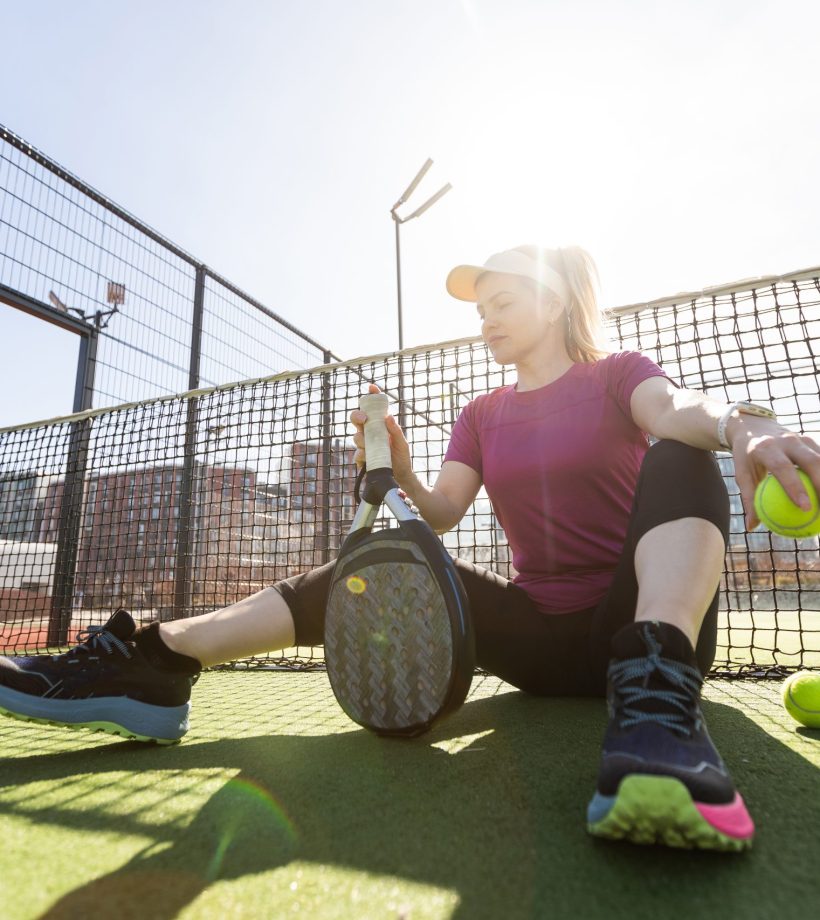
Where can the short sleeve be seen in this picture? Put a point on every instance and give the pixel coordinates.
(464, 445)
(625, 370)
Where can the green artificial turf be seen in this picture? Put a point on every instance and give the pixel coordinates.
(275, 805)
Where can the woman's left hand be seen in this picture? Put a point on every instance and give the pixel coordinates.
(762, 446)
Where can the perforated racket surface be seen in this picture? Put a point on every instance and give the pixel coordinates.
(399, 646)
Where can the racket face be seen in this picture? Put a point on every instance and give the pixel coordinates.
(398, 646)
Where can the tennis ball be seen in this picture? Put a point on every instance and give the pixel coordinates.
(801, 697)
(779, 513)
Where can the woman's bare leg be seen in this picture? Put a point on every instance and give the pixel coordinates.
(257, 624)
(678, 566)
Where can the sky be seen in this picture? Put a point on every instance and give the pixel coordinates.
(677, 142)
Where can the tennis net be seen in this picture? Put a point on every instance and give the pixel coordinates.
(180, 505)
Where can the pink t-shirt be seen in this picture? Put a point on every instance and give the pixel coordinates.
(560, 465)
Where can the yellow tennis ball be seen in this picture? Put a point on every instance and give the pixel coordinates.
(801, 697)
(780, 514)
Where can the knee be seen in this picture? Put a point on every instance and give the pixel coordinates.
(675, 461)
(686, 481)
(670, 451)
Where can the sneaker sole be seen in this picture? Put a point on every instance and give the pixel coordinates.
(118, 715)
(660, 810)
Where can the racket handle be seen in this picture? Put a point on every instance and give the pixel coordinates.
(376, 440)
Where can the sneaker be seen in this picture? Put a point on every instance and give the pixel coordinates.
(113, 681)
(661, 779)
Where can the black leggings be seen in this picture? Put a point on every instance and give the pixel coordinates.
(564, 654)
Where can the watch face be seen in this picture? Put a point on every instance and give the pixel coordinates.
(753, 409)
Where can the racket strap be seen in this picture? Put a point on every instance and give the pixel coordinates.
(357, 485)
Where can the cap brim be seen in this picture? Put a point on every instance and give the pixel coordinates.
(461, 282)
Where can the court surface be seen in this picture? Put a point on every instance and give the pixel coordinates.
(276, 805)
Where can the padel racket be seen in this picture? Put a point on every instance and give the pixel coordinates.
(399, 643)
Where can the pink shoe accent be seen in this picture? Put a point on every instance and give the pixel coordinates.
(732, 819)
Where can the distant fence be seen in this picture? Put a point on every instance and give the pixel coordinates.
(152, 319)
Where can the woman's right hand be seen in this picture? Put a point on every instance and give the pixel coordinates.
(399, 448)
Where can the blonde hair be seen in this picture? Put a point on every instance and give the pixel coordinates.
(586, 337)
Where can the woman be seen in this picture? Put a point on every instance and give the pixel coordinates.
(619, 548)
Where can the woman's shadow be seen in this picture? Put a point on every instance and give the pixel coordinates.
(489, 805)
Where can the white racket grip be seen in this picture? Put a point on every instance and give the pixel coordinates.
(376, 440)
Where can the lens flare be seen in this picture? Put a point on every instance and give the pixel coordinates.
(247, 808)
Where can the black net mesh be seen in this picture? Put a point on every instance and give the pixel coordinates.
(182, 505)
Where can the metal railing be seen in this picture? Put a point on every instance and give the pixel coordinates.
(152, 318)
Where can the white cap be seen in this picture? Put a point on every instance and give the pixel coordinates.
(462, 279)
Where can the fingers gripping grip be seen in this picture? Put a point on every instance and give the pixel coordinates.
(376, 440)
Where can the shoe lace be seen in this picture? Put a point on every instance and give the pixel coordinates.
(678, 709)
(96, 637)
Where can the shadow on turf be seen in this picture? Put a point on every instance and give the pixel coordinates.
(501, 822)
(808, 732)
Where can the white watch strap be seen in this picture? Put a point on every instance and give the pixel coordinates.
(745, 408)
(722, 423)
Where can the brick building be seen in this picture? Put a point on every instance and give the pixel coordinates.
(245, 533)
(321, 492)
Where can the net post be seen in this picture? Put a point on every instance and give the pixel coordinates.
(185, 499)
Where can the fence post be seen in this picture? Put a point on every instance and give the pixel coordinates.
(68, 534)
(402, 397)
(86, 369)
(323, 535)
(185, 542)
(71, 503)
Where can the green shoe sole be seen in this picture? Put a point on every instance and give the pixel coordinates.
(660, 810)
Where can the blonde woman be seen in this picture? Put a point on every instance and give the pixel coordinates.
(618, 546)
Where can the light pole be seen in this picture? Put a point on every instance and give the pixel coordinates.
(403, 220)
(398, 221)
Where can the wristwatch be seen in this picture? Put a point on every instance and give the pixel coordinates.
(743, 408)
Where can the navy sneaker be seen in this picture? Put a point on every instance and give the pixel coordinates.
(117, 680)
(661, 779)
